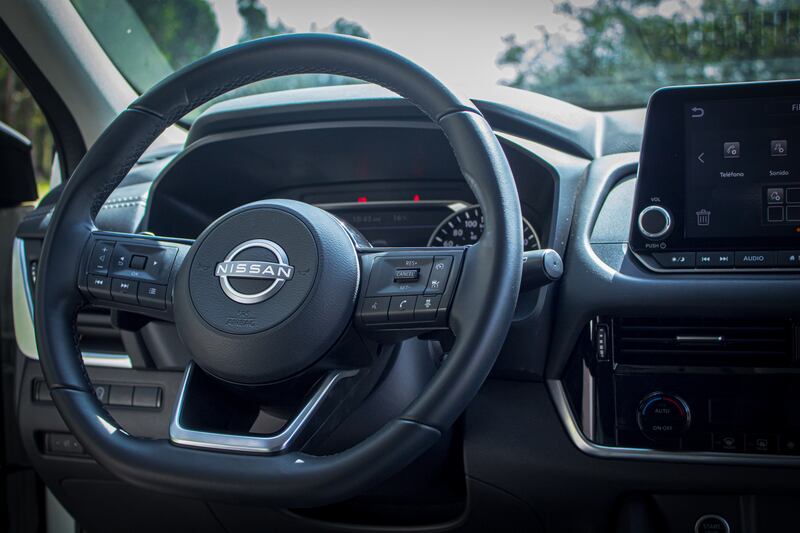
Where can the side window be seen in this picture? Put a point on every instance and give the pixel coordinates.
(19, 111)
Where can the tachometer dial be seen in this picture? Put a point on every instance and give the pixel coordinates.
(466, 227)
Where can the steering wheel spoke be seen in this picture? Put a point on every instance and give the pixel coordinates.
(245, 420)
(407, 292)
(131, 272)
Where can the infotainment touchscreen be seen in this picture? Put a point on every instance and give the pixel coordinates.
(742, 177)
(719, 176)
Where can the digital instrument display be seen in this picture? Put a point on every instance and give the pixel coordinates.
(420, 223)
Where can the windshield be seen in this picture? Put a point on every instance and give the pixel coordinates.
(599, 54)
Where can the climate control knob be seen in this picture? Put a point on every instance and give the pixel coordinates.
(663, 416)
(655, 222)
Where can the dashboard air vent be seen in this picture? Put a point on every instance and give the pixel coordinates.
(703, 342)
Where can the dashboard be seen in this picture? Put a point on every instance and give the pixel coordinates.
(654, 382)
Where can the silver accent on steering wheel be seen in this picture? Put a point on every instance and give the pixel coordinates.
(278, 442)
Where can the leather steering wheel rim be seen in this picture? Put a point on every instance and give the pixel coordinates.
(482, 310)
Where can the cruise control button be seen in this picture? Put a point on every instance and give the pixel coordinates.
(152, 295)
(675, 259)
(426, 308)
(405, 275)
(123, 290)
(756, 259)
(401, 308)
(99, 286)
(789, 258)
(439, 274)
(375, 309)
(101, 257)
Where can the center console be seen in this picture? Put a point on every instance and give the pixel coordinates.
(693, 353)
(719, 179)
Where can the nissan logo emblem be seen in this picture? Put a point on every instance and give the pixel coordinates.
(279, 272)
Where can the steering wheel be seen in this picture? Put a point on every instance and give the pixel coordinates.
(277, 295)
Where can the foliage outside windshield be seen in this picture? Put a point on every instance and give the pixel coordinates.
(599, 54)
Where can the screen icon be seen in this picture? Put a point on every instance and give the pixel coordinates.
(779, 148)
(731, 150)
(697, 112)
(775, 195)
(703, 217)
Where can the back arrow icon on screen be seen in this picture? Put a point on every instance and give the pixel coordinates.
(700, 157)
(697, 112)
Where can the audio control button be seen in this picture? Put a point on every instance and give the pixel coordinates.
(756, 259)
(714, 260)
(655, 222)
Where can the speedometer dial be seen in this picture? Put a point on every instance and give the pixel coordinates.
(466, 227)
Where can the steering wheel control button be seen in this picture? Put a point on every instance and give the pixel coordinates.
(384, 279)
(712, 523)
(426, 308)
(663, 416)
(375, 310)
(138, 262)
(675, 260)
(756, 259)
(655, 222)
(152, 295)
(439, 274)
(99, 286)
(142, 262)
(406, 275)
(401, 308)
(124, 291)
(101, 257)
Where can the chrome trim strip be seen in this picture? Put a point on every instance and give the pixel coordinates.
(22, 308)
(249, 443)
(559, 396)
(700, 339)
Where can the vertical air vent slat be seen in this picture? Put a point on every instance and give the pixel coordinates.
(703, 342)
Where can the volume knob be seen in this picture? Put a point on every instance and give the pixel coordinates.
(655, 222)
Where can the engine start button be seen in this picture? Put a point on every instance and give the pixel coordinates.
(712, 523)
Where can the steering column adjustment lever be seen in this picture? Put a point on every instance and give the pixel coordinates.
(540, 267)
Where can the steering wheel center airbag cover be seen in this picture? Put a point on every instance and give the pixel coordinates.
(266, 290)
